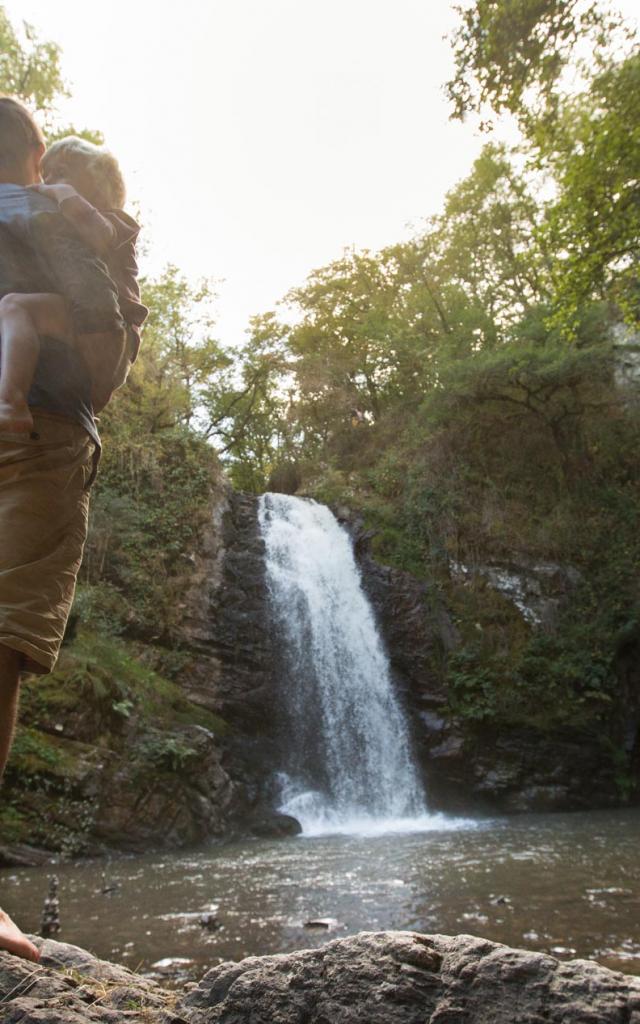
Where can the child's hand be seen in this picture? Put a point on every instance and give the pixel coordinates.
(58, 192)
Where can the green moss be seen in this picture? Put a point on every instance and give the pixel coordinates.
(14, 825)
(104, 702)
(110, 678)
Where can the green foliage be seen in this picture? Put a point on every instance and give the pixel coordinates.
(104, 706)
(624, 777)
(150, 505)
(167, 753)
(14, 826)
(593, 227)
(510, 55)
(29, 68)
(102, 608)
(112, 676)
(568, 677)
(33, 752)
(179, 358)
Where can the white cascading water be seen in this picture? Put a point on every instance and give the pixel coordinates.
(351, 768)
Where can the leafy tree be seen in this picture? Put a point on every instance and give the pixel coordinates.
(510, 55)
(593, 226)
(245, 408)
(487, 237)
(178, 358)
(30, 70)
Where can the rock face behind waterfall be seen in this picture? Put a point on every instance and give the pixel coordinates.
(225, 621)
(377, 978)
(231, 668)
(486, 768)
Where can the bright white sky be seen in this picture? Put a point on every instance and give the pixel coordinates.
(261, 137)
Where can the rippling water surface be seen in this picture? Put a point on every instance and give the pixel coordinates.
(566, 884)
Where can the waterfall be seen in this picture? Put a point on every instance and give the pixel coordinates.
(349, 765)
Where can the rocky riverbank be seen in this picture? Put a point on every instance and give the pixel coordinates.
(377, 977)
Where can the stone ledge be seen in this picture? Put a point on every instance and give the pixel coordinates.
(369, 978)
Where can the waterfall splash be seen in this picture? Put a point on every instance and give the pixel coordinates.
(350, 766)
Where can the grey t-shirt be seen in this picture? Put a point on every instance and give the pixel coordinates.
(39, 252)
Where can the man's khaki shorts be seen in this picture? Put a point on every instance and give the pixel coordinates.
(44, 506)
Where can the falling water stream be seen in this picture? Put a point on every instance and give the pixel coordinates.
(349, 765)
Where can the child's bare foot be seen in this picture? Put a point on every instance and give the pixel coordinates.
(12, 939)
(15, 417)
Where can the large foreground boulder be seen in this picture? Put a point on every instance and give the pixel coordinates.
(370, 978)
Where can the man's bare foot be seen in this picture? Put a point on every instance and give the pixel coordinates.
(12, 939)
(15, 417)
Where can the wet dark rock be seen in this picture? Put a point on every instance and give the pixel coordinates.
(285, 478)
(417, 629)
(234, 668)
(210, 922)
(19, 855)
(226, 623)
(522, 770)
(328, 923)
(274, 826)
(377, 977)
(163, 806)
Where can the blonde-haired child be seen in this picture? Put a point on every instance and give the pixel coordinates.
(86, 182)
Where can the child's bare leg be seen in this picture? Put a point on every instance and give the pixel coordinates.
(22, 319)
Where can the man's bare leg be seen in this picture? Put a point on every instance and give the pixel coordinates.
(22, 319)
(11, 938)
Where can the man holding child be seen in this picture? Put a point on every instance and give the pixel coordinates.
(70, 318)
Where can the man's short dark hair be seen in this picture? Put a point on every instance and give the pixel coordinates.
(19, 133)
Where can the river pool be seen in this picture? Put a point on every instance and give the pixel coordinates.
(568, 884)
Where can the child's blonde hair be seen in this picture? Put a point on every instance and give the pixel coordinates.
(91, 169)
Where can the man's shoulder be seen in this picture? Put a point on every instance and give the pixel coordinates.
(28, 216)
(20, 201)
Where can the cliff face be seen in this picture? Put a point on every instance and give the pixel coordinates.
(471, 764)
(233, 654)
(225, 622)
